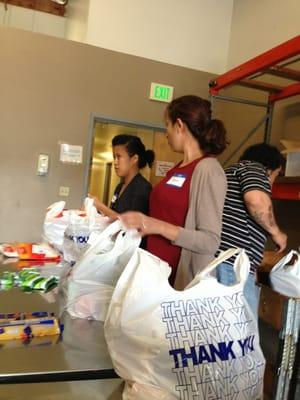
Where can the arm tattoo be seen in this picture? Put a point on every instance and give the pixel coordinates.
(265, 219)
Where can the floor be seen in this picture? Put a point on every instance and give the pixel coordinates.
(110, 389)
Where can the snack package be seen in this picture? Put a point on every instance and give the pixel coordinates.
(27, 328)
(36, 341)
(30, 251)
(18, 316)
(37, 251)
(7, 280)
(30, 279)
(9, 250)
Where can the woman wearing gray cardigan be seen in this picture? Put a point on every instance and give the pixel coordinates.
(185, 217)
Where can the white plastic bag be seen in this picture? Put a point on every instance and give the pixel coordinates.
(57, 220)
(201, 343)
(79, 228)
(55, 224)
(95, 275)
(285, 275)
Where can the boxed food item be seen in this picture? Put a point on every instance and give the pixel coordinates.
(292, 152)
(27, 328)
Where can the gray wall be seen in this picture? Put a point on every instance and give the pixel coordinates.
(49, 88)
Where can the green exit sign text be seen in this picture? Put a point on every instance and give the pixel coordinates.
(161, 92)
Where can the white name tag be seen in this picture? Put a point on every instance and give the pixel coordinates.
(114, 198)
(177, 180)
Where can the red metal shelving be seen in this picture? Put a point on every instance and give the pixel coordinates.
(275, 62)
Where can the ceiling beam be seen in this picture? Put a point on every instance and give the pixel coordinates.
(283, 72)
(289, 91)
(47, 6)
(267, 87)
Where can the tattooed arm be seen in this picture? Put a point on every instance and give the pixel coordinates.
(260, 208)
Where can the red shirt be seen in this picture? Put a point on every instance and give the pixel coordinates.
(169, 201)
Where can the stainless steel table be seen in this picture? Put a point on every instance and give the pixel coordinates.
(79, 354)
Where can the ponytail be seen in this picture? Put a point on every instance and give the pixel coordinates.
(214, 141)
(148, 158)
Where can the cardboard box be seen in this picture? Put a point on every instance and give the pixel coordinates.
(292, 152)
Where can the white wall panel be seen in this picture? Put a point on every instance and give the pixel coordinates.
(190, 33)
(259, 25)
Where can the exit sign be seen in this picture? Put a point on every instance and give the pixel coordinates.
(161, 92)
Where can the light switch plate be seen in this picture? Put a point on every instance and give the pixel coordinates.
(64, 191)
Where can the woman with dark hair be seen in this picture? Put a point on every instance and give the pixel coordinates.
(133, 191)
(185, 215)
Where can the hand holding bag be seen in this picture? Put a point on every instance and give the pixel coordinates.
(201, 343)
(94, 276)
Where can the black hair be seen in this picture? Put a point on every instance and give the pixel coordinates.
(195, 112)
(134, 145)
(265, 154)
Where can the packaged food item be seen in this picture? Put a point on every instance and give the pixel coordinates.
(7, 280)
(9, 250)
(36, 251)
(27, 328)
(17, 316)
(30, 279)
(29, 251)
(36, 341)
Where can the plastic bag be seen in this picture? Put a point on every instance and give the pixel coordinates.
(58, 219)
(55, 224)
(95, 275)
(285, 275)
(200, 343)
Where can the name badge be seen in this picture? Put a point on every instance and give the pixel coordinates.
(114, 198)
(177, 180)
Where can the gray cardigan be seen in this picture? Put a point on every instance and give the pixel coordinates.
(200, 237)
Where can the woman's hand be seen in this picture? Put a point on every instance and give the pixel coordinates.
(97, 202)
(136, 220)
(148, 226)
(103, 209)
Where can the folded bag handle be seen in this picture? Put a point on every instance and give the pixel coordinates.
(88, 205)
(124, 238)
(55, 209)
(241, 266)
(111, 230)
(90, 211)
(291, 259)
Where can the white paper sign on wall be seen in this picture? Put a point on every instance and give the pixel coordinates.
(70, 154)
(162, 167)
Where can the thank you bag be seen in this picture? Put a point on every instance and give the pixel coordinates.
(201, 343)
(68, 230)
(94, 276)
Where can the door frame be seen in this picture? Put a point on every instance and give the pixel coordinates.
(94, 118)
